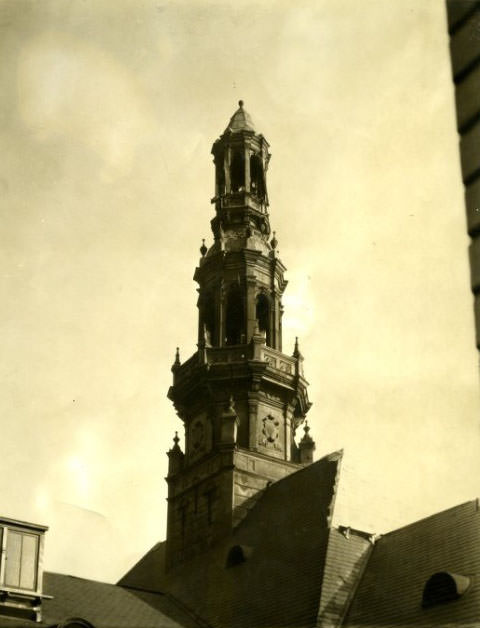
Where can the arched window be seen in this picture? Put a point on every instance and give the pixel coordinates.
(444, 587)
(220, 178)
(237, 172)
(262, 314)
(209, 318)
(235, 317)
(257, 181)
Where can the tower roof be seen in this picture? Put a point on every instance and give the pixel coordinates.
(241, 120)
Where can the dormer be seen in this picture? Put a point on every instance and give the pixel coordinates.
(21, 551)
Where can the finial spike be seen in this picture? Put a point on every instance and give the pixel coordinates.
(240, 104)
(274, 242)
(177, 356)
(203, 248)
(296, 350)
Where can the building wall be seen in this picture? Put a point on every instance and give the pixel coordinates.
(464, 29)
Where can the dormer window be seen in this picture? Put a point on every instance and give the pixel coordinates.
(444, 587)
(21, 546)
(237, 555)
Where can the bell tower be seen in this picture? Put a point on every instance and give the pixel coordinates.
(240, 398)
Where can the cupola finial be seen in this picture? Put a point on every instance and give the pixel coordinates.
(296, 350)
(203, 248)
(176, 363)
(240, 104)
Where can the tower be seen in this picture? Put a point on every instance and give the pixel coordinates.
(241, 398)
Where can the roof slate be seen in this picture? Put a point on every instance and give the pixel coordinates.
(108, 605)
(149, 572)
(347, 556)
(390, 592)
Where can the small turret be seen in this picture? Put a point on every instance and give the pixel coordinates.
(175, 457)
(306, 446)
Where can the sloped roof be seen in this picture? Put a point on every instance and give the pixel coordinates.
(284, 538)
(149, 572)
(390, 592)
(347, 556)
(241, 120)
(106, 605)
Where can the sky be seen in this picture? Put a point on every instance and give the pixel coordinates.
(108, 110)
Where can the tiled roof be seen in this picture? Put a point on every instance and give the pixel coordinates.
(347, 556)
(390, 592)
(284, 538)
(149, 572)
(108, 606)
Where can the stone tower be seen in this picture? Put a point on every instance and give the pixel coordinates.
(241, 398)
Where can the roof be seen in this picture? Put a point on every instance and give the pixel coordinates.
(104, 606)
(23, 524)
(348, 552)
(149, 572)
(283, 540)
(241, 120)
(390, 592)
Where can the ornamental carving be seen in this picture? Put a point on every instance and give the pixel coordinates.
(285, 367)
(270, 432)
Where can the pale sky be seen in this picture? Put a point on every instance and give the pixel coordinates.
(108, 112)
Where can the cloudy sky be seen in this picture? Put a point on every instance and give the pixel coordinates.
(108, 110)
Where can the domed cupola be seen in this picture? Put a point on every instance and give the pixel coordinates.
(240, 121)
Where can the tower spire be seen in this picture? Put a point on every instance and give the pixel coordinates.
(239, 396)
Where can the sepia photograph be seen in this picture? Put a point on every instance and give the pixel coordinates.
(240, 313)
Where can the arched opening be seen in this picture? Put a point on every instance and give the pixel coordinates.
(220, 178)
(209, 319)
(444, 587)
(237, 172)
(257, 181)
(262, 314)
(235, 318)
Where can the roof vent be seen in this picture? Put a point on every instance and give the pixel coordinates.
(444, 587)
(237, 555)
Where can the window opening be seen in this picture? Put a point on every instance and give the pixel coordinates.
(237, 173)
(257, 182)
(209, 318)
(235, 318)
(262, 313)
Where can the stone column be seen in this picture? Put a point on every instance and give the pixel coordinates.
(251, 284)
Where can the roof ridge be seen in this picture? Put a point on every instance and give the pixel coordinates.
(68, 575)
(435, 514)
